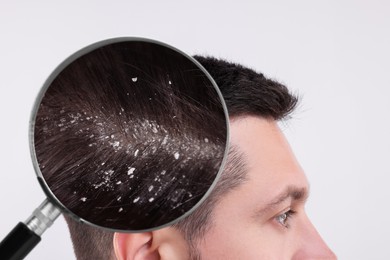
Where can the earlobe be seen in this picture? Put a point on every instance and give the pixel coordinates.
(134, 246)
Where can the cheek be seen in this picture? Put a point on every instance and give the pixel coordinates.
(233, 238)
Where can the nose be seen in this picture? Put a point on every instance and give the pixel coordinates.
(311, 245)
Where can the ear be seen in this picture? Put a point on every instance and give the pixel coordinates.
(129, 246)
(163, 244)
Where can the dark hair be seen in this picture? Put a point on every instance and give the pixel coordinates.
(246, 92)
(130, 136)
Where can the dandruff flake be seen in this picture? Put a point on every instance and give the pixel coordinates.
(130, 171)
(109, 172)
(165, 140)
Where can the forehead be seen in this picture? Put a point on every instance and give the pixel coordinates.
(270, 161)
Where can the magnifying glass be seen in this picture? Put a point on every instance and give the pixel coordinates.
(127, 134)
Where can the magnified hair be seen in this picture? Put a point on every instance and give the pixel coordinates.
(130, 136)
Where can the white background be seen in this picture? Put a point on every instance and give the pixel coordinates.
(334, 53)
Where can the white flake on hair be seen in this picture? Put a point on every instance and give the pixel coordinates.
(130, 171)
(120, 210)
(115, 144)
(109, 172)
(176, 155)
(136, 199)
(83, 199)
(151, 199)
(134, 79)
(165, 140)
(206, 140)
(151, 188)
(136, 152)
(119, 182)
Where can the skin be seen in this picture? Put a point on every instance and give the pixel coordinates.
(259, 232)
(251, 221)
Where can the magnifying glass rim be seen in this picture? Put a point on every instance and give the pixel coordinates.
(51, 196)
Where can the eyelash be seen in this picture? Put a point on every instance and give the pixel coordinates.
(284, 218)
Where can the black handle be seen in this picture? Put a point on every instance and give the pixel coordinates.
(18, 243)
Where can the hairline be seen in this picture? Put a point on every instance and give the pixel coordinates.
(219, 191)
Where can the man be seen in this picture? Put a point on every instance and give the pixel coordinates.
(256, 210)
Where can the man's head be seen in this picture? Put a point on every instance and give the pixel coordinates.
(256, 210)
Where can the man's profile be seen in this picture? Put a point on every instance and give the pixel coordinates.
(256, 210)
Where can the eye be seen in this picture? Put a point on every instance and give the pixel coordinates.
(283, 219)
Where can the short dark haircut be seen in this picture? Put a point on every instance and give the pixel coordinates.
(246, 93)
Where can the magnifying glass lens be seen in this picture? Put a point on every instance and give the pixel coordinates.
(129, 135)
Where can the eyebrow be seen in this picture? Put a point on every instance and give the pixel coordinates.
(296, 194)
